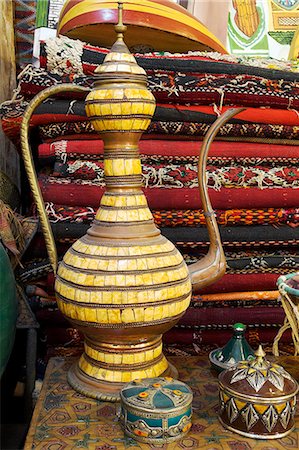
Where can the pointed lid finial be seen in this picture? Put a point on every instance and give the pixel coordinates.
(260, 354)
(260, 362)
(120, 28)
(120, 62)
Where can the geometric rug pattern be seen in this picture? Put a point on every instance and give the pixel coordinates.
(65, 419)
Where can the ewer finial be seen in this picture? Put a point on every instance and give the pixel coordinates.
(120, 28)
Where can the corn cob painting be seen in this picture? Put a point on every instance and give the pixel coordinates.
(247, 28)
(247, 16)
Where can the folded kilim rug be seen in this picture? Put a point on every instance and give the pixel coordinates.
(200, 318)
(177, 174)
(279, 134)
(67, 56)
(167, 119)
(185, 87)
(252, 174)
(219, 336)
(209, 317)
(38, 269)
(166, 150)
(176, 218)
(253, 261)
(66, 191)
(253, 237)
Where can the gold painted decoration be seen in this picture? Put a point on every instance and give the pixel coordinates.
(124, 284)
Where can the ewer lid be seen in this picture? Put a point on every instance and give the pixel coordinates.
(237, 349)
(258, 378)
(119, 62)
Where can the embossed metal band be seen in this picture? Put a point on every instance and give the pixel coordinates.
(120, 180)
(118, 100)
(84, 324)
(136, 348)
(116, 257)
(144, 413)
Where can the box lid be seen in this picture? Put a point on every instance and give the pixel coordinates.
(259, 379)
(156, 394)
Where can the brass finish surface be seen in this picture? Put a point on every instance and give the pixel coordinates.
(29, 164)
(212, 266)
(103, 391)
(123, 284)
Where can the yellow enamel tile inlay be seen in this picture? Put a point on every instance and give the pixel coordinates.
(105, 109)
(115, 316)
(115, 109)
(119, 56)
(123, 215)
(126, 108)
(121, 94)
(122, 297)
(144, 279)
(123, 358)
(123, 108)
(138, 93)
(102, 250)
(120, 376)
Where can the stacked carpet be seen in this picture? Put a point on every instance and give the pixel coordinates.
(252, 172)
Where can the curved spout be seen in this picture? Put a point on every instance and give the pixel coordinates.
(212, 266)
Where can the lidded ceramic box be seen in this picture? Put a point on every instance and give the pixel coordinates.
(237, 349)
(258, 399)
(156, 410)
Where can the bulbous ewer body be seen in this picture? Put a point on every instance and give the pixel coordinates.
(123, 284)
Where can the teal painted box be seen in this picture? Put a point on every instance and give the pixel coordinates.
(156, 410)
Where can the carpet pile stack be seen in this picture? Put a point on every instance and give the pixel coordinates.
(252, 173)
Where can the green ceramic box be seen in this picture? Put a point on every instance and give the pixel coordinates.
(156, 410)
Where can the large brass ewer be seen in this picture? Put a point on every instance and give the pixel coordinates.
(123, 284)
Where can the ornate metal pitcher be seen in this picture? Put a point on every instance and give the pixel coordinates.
(123, 284)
